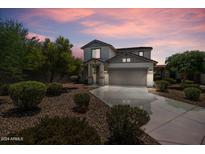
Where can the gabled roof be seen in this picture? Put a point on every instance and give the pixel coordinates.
(132, 54)
(97, 41)
(133, 48)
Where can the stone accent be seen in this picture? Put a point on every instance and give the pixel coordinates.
(90, 74)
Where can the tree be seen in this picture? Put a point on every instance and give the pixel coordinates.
(33, 56)
(12, 45)
(75, 66)
(21, 57)
(187, 63)
(58, 57)
(63, 44)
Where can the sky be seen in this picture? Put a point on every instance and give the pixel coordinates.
(168, 31)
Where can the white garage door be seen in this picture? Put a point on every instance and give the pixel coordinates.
(132, 77)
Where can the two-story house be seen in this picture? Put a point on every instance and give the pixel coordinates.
(105, 64)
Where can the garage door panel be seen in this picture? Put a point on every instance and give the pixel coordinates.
(135, 77)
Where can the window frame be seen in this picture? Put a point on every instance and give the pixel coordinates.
(142, 53)
(92, 53)
(124, 59)
(127, 60)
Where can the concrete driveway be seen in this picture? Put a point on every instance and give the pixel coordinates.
(172, 122)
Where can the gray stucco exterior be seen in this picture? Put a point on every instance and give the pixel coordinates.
(106, 52)
(100, 71)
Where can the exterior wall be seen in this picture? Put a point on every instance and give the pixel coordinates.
(105, 53)
(87, 54)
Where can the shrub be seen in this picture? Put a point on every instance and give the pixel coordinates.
(192, 93)
(124, 124)
(170, 80)
(186, 85)
(59, 131)
(54, 89)
(82, 102)
(4, 89)
(161, 85)
(28, 94)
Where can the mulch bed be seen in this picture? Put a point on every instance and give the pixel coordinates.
(179, 95)
(62, 106)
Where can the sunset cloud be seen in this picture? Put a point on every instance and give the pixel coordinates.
(145, 22)
(59, 15)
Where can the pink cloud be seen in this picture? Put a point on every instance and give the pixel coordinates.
(145, 22)
(91, 23)
(123, 30)
(41, 38)
(60, 15)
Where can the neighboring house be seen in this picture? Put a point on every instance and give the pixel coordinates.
(104, 64)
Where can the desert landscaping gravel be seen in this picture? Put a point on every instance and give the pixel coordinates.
(61, 106)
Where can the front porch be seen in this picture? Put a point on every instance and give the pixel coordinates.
(95, 72)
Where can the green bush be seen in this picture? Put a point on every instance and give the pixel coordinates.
(124, 124)
(186, 85)
(82, 102)
(192, 93)
(4, 89)
(28, 94)
(161, 85)
(170, 80)
(59, 131)
(54, 89)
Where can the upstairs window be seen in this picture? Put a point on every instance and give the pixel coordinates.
(128, 60)
(96, 53)
(124, 60)
(141, 53)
